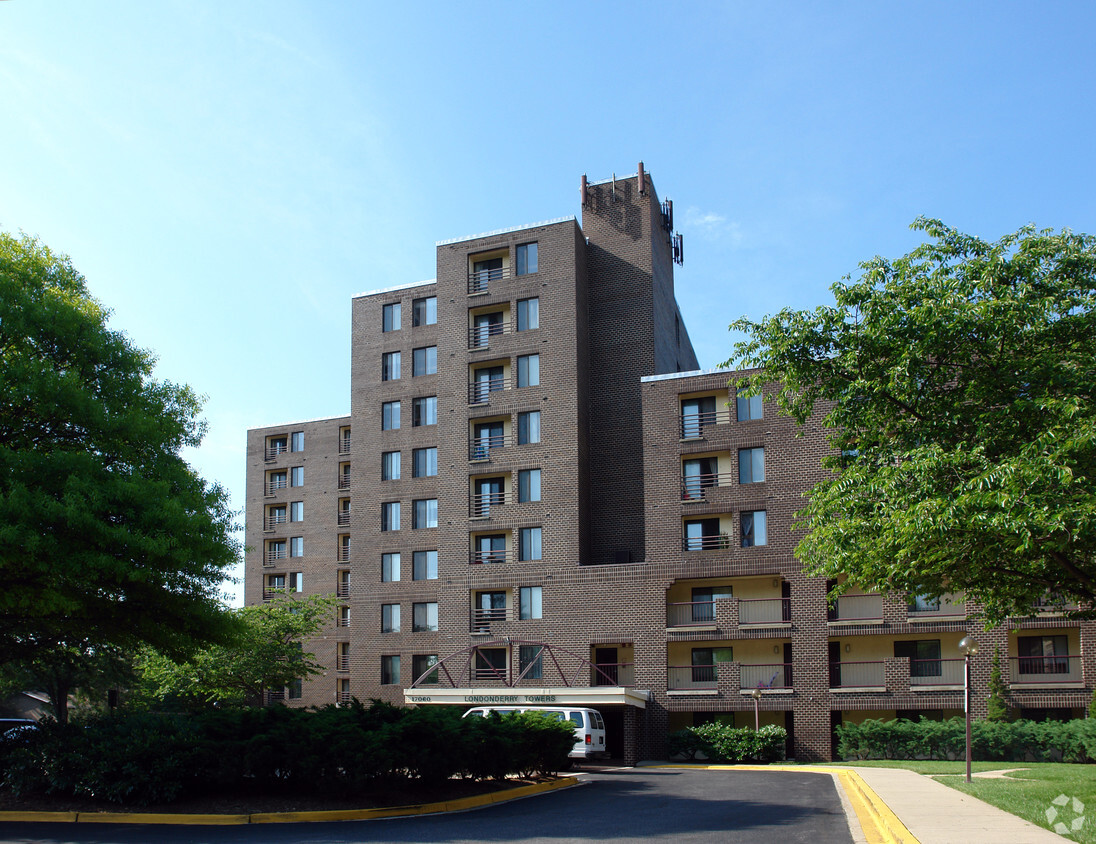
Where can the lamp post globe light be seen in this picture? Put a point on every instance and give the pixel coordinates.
(756, 695)
(968, 647)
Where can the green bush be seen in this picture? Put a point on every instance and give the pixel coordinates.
(991, 741)
(724, 743)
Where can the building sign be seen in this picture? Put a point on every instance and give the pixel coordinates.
(559, 696)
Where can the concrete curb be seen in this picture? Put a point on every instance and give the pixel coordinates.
(461, 805)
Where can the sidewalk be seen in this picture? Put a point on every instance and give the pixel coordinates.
(937, 814)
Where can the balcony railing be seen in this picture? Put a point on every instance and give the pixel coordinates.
(690, 677)
(342, 662)
(343, 620)
(479, 279)
(709, 542)
(342, 589)
(343, 518)
(478, 558)
(480, 391)
(481, 448)
(272, 520)
(273, 451)
(764, 610)
(693, 424)
(693, 487)
(483, 619)
(344, 480)
(943, 609)
(866, 608)
(613, 674)
(857, 675)
(345, 697)
(1045, 670)
(479, 336)
(772, 675)
(276, 484)
(482, 504)
(273, 554)
(342, 554)
(344, 445)
(275, 695)
(936, 672)
(690, 614)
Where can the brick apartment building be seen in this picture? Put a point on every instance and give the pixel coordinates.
(537, 497)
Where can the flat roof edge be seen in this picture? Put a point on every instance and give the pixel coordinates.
(669, 376)
(395, 287)
(496, 232)
(299, 422)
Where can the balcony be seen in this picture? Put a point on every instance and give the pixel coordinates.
(690, 678)
(342, 555)
(483, 619)
(345, 697)
(926, 611)
(275, 554)
(276, 484)
(613, 674)
(767, 677)
(344, 480)
(479, 336)
(478, 280)
(479, 392)
(478, 558)
(480, 507)
(856, 609)
(344, 444)
(343, 518)
(342, 589)
(858, 675)
(272, 520)
(708, 542)
(693, 487)
(480, 449)
(342, 662)
(691, 614)
(764, 611)
(693, 424)
(936, 672)
(1040, 672)
(275, 450)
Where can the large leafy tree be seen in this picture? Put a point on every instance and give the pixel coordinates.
(108, 538)
(959, 386)
(267, 653)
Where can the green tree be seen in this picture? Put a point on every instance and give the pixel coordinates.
(64, 671)
(107, 537)
(267, 653)
(997, 700)
(958, 386)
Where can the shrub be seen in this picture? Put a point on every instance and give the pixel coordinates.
(725, 743)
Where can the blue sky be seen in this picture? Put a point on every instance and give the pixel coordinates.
(228, 175)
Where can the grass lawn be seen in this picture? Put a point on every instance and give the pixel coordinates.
(1027, 793)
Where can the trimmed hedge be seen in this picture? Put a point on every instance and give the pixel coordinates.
(991, 741)
(726, 744)
(139, 758)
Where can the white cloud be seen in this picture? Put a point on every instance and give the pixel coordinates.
(708, 225)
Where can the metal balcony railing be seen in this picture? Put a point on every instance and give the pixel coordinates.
(343, 620)
(936, 672)
(273, 554)
(342, 589)
(694, 486)
(343, 518)
(1045, 670)
(771, 675)
(866, 608)
(342, 662)
(854, 675)
(489, 557)
(481, 448)
(342, 554)
(478, 280)
(345, 697)
(483, 619)
(613, 674)
(344, 480)
(942, 609)
(479, 336)
(275, 484)
(481, 504)
(709, 542)
(344, 445)
(693, 424)
(272, 520)
(275, 695)
(764, 610)
(273, 451)
(690, 677)
(480, 391)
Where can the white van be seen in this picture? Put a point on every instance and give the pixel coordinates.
(589, 726)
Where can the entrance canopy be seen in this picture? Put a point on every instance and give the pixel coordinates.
(552, 696)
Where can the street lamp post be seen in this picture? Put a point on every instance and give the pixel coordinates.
(756, 695)
(968, 647)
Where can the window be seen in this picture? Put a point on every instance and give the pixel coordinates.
(703, 665)
(483, 271)
(425, 514)
(390, 670)
(390, 317)
(275, 446)
(296, 546)
(390, 366)
(486, 436)
(754, 529)
(424, 617)
(484, 327)
(749, 407)
(698, 475)
(390, 618)
(424, 311)
(490, 606)
(426, 462)
(704, 535)
(487, 492)
(277, 480)
(390, 416)
(420, 665)
(531, 662)
(296, 689)
(751, 465)
(529, 546)
(1042, 654)
(528, 370)
(424, 411)
(529, 427)
(528, 314)
(296, 441)
(296, 476)
(296, 511)
(490, 548)
(275, 550)
(425, 361)
(529, 602)
(344, 617)
(924, 657)
(390, 568)
(491, 664)
(695, 414)
(344, 547)
(275, 515)
(703, 603)
(529, 485)
(527, 258)
(424, 565)
(390, 466)
(296, 581)
(390, 515)
(275, 581)
(487, 380)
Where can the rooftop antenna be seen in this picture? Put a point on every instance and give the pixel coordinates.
(642, 182)
(614, 187)
(584, 200)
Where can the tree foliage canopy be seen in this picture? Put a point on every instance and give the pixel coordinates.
(107, 536)
(958, 384)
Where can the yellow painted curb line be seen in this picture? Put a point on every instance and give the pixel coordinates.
(880, 824)
(460, 805)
